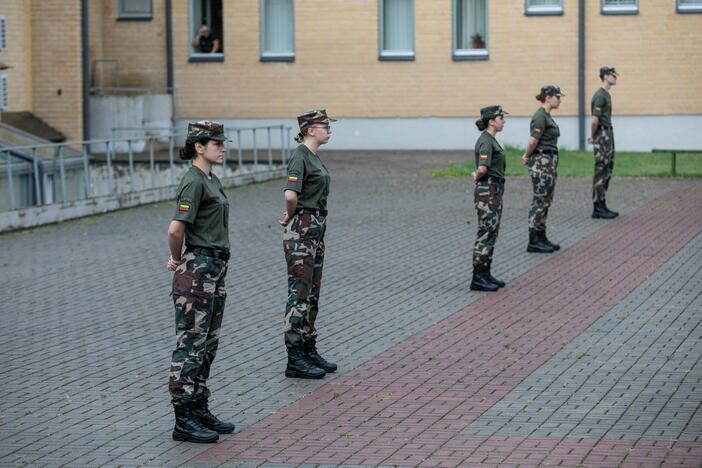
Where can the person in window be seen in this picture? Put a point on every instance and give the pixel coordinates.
(489, 178)
(305, 221)
(602, 139)
(541, 156)
(201, 222)
(205, 41)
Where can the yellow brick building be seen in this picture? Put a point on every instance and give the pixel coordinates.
(397, 73)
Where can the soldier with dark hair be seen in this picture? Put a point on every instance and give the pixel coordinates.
(201, 222)
(305, 221)
(602, 139)
(489, 178)
(541, 156)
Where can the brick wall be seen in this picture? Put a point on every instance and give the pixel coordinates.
(56, 65)
(336, 62)
(139, 45)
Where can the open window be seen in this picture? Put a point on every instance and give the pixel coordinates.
(206, 31)
(470, 34)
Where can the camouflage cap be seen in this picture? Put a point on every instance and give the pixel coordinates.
(608, 71)
(312, 117)
(207, 129)
(551, 90)
(490, 112)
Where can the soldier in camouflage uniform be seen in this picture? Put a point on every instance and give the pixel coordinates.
(201, 222)
(541, 156)
(602, 139)
(489, 178)
(305, 221)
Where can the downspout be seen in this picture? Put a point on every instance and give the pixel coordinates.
(85, 52)
(169, 47)
(581, 75)
(169, 61)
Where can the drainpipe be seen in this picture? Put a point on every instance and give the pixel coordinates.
(169, 47)
(581, 75)
(85, 53)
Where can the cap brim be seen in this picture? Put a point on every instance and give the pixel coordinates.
(219, 138)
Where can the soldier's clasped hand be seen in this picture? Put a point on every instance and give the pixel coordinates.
(173, 264)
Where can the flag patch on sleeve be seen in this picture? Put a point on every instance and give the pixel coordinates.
(598, 108)
(537, 130)
(483, 156)
(183, 207)
(292, 178)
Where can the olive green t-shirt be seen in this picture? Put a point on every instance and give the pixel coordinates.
(602, 107)
(309, 177)
(488, 152)
(203, 205)
(545, 130)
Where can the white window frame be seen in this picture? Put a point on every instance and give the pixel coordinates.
(688, 8)
(275, 56)
(469, 54)
(123, 15)
(619, 9)
(4, 93)
(541, 10)
(397, 54)
(3, 33)
(201, 56)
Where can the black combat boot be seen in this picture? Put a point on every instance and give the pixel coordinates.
(481, 282)
(209, 420)
(189, 429)
(544, 240)
(315, 359)
(598, 211)
(536, 244)
(300, 367)
(606, 208)
(493, 280)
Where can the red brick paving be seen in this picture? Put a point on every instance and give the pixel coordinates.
(408, 405)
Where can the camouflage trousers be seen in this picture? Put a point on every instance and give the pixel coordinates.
(488, 203)
(543, 171)
(603, 147)
(303, 243)
(198, 295)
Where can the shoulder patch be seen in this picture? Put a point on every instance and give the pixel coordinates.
(537, 130)
(598, 108)
(292, 178)
(183, 207)
(483, 156)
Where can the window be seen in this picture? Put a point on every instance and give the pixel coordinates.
(470, 30)
(543, 7)
(206, 33)
(277, 30)
(689, 6)
(134, 9)
(3, 37)
(620, 7)
(4, 99)
(396, 30)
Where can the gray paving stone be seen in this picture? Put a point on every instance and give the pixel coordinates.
(87, 326)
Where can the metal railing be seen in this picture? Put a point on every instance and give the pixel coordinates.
(120, 165)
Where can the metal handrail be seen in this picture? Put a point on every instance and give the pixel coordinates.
(70, 154)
